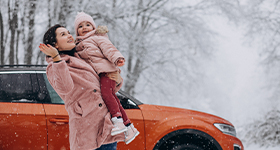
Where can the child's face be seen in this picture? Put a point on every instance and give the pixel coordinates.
(84, 28)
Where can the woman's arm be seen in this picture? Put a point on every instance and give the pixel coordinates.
(59, 76)
(115, 76)
(57, 72)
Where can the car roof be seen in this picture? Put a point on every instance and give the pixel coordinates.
(5, 68)
(23, 67)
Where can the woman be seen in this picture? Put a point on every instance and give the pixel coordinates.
(78, 85)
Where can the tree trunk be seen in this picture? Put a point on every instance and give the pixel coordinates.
(13, 21)
(17, 42)
(49, 14)
(23, 26)
(31, 25)
(133, 77)
(42, 55)
(63, 12)
(134, 68)
(2, 50)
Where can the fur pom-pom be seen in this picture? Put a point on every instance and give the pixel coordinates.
(101, 30)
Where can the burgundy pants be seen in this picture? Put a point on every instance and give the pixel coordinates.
(110, 98)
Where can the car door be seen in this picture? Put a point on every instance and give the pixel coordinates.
(56, 116)
(22, 116)
(135, 115)
(57, 119)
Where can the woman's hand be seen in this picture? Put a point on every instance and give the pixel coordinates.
(50, 51)
(115, 76)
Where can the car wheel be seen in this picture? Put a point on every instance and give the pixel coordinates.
(186, 147)
(187, 139)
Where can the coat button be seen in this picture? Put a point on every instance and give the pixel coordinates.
(100, 105)
(94, 90)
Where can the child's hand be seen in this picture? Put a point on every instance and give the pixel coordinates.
(120, 62)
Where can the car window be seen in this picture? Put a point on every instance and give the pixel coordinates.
(54, 97)
(19, 87)
(126, 102)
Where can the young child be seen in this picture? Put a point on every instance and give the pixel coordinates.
(96, 49)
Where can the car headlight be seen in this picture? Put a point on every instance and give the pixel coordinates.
(227, 129)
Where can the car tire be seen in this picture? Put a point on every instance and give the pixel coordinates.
(186, 147)
(187, 139)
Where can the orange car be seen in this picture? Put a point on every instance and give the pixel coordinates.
(33, 117)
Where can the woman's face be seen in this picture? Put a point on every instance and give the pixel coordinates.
(64, 40)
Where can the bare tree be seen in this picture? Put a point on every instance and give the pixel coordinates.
(40, 59)
(163, 41)
(2, 50)
(63, 12)
(13, 24)
(49, 14)
(23, 27)
(31, 30)
(156, 35)
(20, 30)
(262, 17)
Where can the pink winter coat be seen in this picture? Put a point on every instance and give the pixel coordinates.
(99, 52)
(78, 85)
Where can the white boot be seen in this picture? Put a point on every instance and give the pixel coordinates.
(119, 127)
(130, 134)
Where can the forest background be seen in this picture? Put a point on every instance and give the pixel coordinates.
(215, 56)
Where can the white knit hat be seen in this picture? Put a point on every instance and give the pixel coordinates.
(81, 16)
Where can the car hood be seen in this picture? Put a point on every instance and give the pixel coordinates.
(157, 112)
